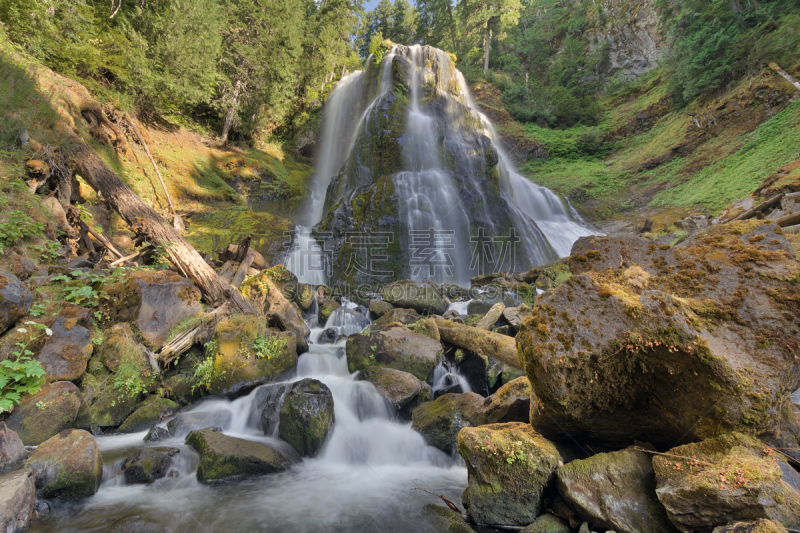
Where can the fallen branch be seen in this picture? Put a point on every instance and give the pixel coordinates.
(788, 220)
(447, 502)
(128, 258)
(153, 161)
(105, 242)
(750, 213)
(199, 334)
(486, 343)
(788, 77)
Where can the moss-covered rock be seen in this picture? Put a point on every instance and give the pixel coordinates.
(397, 316)
(267, 292)
(499, 373)
(118, 341)
(483, 303)
(396, 348)
(615, 491)
(727, 478)
(118, 395)
(378, 308)
(403, 390)
(547, 523)
(50, 411)
(244, 350)
(306, 416)
(181, 388)
(758, 526)
(15, 300)
(440, 421)
(68, 466)
(152, 411)
(511, 402)
(509, 466)
(444, 520)
(696, 335)
(326, 309)
(147, 465)
(304, 296)
(425, 298)
(227, 459)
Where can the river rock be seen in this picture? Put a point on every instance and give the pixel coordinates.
(304, 296)
(511, 402)
(483, 303)
(157, 434)
(267, 406)
(264, 292)
(326, 309)
(444, 520)
(758, 526)
(680, 324)
(17, 498)
(184, 423)
(516, 315)
(328, 336)
(378, 308)
(403, 390)
(182, 388)
(12, 451)
(509, 466)
(727, 478)
(15, 300)
(424, 298)
(398, 316)
(134, 524)
(440, 421)
(65, 354)
(236, 356)
(152, 411)
(306, 416)
(68, 466)
(225, 459)
(396, 348)
(56, 407)
(147, 465)
(547, 523)
(614, 491)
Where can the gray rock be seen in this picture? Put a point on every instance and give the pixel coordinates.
(483, 303)
(157, 434)
(440, 421)
(547, 523)
(56, 407)
(401, 389)
(328, 336)
(306, 416)
(164, 305)
(378, 308)
(424, 298)
(147, 465)
(68, 466)
(12, 451)
(267, 406)
(17, 498)
(693, 223)
(66, 353)
(15, 300)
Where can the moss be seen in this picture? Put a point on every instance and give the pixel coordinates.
(149, 414)
(446, 520)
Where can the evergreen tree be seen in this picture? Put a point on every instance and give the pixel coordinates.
(436, 24)
(402, 22)
(383, 17)
(483, 17)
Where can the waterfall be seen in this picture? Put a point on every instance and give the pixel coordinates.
(446, 376)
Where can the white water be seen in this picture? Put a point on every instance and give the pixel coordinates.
(445, 375)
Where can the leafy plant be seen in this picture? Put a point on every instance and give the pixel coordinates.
(203, 374)
(267, 347)
(22, 375)
(19, 226)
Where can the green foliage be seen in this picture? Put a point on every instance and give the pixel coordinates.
(18, 226)
(269, 346)
(86, 289)
(131, 379)
(203, 374)
(21, 374)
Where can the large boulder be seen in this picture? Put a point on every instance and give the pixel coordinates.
(245, 350)
(511, 402)
(267, 406)
(396, 348)
(224, 458)
(724, 479)
(509, 466)
(378, 308)
(444, 520)
(615, 491)
(306, 416)
(12, 451)
(15, 300)
(547, 523)
(403, 390)
(281, 323)
(440, 421)
(643, 338)
(17, 498)
(397, 316)
(264, 292)
(425, 298)
(152, 411)
(326, 309)
(68, 466)
(50, 411)
(147, 465)
(67, 351)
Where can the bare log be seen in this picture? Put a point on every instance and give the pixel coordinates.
(242, 249)
(486, 343)
(201, 333)
(788, 77)
(229, 253)
(105, 242)
(153, 161)
(788, 220)
(147, 222)
(750, 213)
(243, 268)
(491, 317)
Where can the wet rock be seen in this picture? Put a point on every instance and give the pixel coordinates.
(483, 303)
(695, 326)
(491, 317)
(378, 308)
(516, 315)
(264, 292)
(281, 323)
(56, 407)
(396, 348)
(152, 411)
(474, 367)
(12, 451)
(306, 416)
(511, 402)
(184, 423)
(499, 373)
(133, 524)
(400, 316)
(304, 296)
(112, 406)
(403, 390)
(757, 526)
(440, 421)
(327, 308)
(15, 300)
(17, 498)
(455, 388)
(147, 465)
(181, 388)
(614, 491)
(692, 223)
(727, 478)
(245, 350)
(68, 466)
(424, 298)
(547, 523)
(226, 459)
(509, 465)
(328, 336)
(267, 405)
(157, 434)
(444, 520)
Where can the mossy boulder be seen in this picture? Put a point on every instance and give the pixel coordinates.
(245, 350)
(304, 296)
(702, 326)
(50, 411)
(15, 300)
(266, 292)
(758, 526)
(147, 465)
(616, 491)
(425, 298)
(182, 388)
(378, 308)
(403, 390)
(499, 373)
(152, 411)
(444, 520)
(268, 402)
(228, 459)
(396, 348)
(119, 394)
(306, 416)
(326, 309)
(727, 478)
(118, 341)
(509, 466)
(511, 402)
(397, 316)
(440, 421)
(68, 466)
(547, 523)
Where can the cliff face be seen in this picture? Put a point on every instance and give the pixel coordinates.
(631, 31)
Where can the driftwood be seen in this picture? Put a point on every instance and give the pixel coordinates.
(145, 221)
(242, 249)
(788, 220)
(227, 271)
(487, 343)
(750, 213)
(201, 333)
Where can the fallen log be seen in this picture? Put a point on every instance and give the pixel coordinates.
(201, 334)
(243, 268)
(229, 253)
(486, 343)
(750, 213)
(788, 77)
(147, 222)
(105, 242)
(152, 161)
(788, 220)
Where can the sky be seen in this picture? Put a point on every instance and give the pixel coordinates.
(369, 5)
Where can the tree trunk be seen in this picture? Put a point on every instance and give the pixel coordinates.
(501, 347)
(487, 43)
(230, 116)
(146, 221)
(791, 79)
